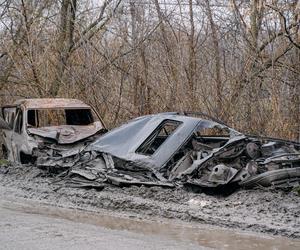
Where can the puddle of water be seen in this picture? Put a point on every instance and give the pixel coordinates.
(203, 236)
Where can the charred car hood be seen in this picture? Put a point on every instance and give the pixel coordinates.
(67, 134)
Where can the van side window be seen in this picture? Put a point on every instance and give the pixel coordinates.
(19, 121)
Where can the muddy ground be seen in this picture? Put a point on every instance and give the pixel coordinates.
(29, 231)
(268, 211)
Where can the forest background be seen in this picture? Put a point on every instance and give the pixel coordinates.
(236, 60)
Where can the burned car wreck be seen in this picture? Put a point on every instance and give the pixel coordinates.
(172, 149)
(33, 126)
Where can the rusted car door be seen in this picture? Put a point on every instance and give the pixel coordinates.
(7, 123)
(17, 138)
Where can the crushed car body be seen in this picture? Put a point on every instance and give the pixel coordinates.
(31, 127)
(172, 149)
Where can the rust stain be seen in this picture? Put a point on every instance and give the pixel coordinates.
(44, 103)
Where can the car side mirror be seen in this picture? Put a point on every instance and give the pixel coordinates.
(4, 124)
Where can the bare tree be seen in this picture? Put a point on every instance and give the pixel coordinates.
(237, 60)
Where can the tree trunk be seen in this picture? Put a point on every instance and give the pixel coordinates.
(217, 61)
(64, 42)
(192, 59)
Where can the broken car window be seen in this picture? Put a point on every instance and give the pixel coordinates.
(79, 117)
(210, 135)
(157, 138)
(57, 117)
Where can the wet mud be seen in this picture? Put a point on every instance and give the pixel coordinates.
(269, 211)
(182, 235)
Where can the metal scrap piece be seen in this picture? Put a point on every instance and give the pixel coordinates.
(222, 174)
(83, 173)
(271, 177)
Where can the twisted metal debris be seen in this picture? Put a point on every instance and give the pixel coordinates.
(176, 150)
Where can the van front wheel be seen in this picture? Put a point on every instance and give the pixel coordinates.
(26, 159)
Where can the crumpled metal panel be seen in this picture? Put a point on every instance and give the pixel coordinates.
(123, 141)
(67, 134)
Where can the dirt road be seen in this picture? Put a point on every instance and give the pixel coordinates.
(30, 225)
(243, 214)
(19, 230)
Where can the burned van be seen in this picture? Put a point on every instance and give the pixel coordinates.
(33, 126)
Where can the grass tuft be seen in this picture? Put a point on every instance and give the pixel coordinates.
(3, 162)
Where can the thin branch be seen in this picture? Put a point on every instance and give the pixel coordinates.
(286, 28)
